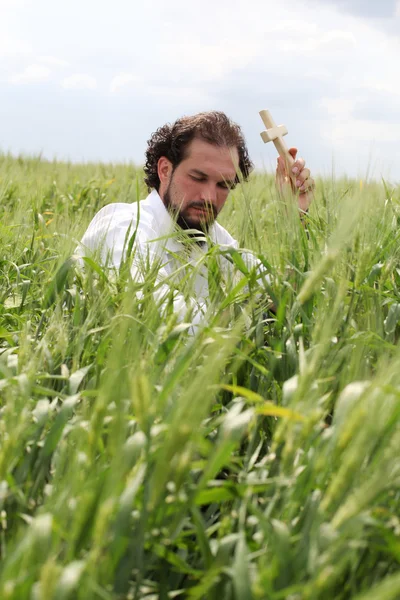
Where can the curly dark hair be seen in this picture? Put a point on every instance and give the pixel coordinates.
(172, 141)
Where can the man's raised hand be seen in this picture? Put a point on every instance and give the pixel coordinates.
(298, 180)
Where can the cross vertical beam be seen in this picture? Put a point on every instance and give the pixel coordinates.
(275, 134)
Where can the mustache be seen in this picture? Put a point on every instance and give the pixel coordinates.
(206, 206)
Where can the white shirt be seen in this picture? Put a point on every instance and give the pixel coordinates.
(156, 241)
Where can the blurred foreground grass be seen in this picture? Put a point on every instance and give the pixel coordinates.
(256, 459)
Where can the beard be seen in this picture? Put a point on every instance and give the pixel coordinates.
(182, 216)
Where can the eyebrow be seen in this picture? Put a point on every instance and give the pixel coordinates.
(202, 174)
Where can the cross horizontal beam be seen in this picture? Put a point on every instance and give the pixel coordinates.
(274, 133)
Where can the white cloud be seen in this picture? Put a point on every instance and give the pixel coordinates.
(198, 97)
(12, 46)
(328, 75)
(346, 127)
(10, 4)
(206, 62)
(13, 43)
(366, 132)
(328, 42)
(79, 81)
(53, 61)
(338, 107)
(32, 74)
(122, 80)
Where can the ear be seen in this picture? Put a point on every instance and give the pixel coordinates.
(164, 170)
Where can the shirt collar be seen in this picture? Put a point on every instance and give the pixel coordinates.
(163, 218)
(165, 223)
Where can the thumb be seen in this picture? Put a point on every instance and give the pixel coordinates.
(293, 152)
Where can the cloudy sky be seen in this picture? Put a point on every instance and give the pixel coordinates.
(91, 79)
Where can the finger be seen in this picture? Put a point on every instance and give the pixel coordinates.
(302, 177)
(293, 152)
(298, 166)
(308, 185)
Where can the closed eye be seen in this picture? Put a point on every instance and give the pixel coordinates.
(227, 185)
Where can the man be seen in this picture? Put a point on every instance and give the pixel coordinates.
(191, 166)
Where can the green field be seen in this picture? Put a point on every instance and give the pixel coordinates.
(257, 459)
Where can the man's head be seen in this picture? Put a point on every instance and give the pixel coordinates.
(194, 163)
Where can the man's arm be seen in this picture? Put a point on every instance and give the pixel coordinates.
(107, 238)
(148, 255)
(297, 182)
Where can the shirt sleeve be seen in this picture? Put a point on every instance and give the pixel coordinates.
(251, 261)
(107, 238)
(149, 254)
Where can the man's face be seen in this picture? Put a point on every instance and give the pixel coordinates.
(197, 189)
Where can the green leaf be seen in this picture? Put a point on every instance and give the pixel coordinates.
(272, 410)
(242, 391)
(96, 268)
(240, 571)
(57, 284)
(76, 379)
(392, 319)
(214, 495)
(268, 408)
(389, 589)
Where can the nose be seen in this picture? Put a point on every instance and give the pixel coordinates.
(209, 192)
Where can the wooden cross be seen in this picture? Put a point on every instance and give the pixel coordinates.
(275, 134)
